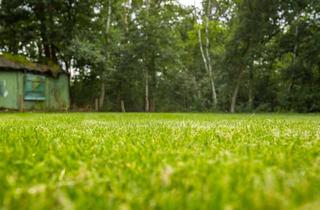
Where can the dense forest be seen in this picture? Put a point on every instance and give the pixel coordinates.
(160, 55)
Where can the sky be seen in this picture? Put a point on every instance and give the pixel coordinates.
(191, 2)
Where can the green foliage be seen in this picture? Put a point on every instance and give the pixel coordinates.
(54, 68)
(265, 53)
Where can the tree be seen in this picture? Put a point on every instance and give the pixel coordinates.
(158, 55)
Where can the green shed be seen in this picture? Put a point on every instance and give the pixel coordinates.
(31, 86)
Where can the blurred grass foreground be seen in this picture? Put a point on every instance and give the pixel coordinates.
(159, 161)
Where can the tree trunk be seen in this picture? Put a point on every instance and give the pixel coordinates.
(53, 52)
(238, 81)
(102, 95)
(45, 20)
(96, 104)
(250, 89)
(206, 56)
(107, 54)
(208, 68)
(147, 103)
(123, 108)
(235, 94)
(146, 73)
(45, 41)
(213, 88)
(40, 50)
(108, 17)
(127, 15)
(213, 92)
(67, 63)
(294, 59)
(153, 83)
(152, 105)
(152, 97)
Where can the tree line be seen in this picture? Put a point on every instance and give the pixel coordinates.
(159, 55)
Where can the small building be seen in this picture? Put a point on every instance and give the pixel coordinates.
(30, 86)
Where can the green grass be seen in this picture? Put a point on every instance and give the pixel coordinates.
(159, 161)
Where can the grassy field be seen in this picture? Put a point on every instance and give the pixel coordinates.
(159, 161)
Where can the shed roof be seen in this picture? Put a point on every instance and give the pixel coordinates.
(7, 63)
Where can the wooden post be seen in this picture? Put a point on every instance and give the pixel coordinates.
(96, 104)
(21, 103)
(123, 108)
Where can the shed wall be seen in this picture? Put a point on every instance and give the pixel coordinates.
(56, 93)
(9, 82)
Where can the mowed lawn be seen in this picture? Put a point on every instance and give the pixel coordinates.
(159, 161)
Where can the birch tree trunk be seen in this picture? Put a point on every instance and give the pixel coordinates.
(107, 54)
(146, 74)
(123, 108)
(206, 56)
(213, 88)
(147, 103)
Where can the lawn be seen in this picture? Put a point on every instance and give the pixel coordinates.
(159, 161)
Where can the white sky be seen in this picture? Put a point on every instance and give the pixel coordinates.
(191, 2)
